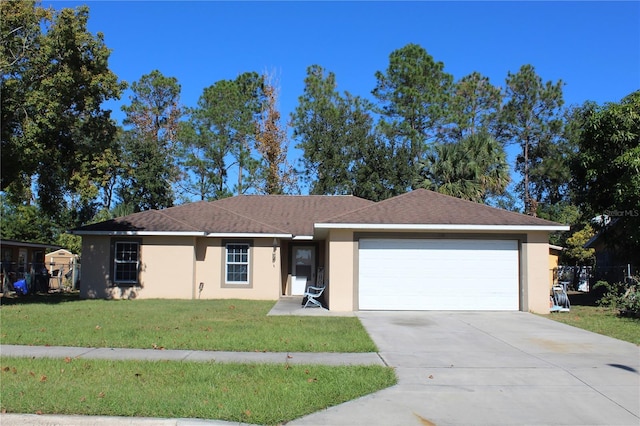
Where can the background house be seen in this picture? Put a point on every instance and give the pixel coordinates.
(616, 258)
(24, 260)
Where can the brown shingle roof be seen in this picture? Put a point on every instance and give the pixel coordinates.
(258, 214)
(424, 207)
(297, 215)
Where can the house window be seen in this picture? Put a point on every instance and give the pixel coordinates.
(126, 260)
(237, 263)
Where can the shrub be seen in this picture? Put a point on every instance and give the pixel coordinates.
(621, 296)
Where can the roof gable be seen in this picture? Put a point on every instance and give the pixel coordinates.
(424, 207)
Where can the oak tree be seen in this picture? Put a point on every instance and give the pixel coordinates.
(55, 78)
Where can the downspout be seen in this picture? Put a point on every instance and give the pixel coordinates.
(194, 264)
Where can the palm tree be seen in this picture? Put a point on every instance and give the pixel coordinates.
(473, 168)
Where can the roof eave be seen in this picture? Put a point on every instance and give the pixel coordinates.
(440, 227)
(247, 235)
(183, 234)
(303, 237)
(139, 233)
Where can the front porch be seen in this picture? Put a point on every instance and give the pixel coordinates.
(292, 305)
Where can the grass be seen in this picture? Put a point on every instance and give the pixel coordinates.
(227, 325)
(251, 393)
(587, 315)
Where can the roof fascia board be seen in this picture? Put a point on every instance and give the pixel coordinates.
(303, 237)
(142, 233)
(246, 235)
(440, 227)
(183, 234)
(12, 243)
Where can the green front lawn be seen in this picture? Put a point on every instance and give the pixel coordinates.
(586, 314)
(250, 393)
(220, 325)
(602, 321)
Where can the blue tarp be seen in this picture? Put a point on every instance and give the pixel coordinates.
(20, 287)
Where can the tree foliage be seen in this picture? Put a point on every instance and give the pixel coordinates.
(421, 129)
(474, 107)
(474, 168)
(276, 174)
(576, 253)
(340, 152)
(55, 77)
(319, 124)
(531, 118)
(606, 168)
(149, 144)
(219, 136)
(413, 95)
(25, 223)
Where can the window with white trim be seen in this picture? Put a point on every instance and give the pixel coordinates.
(237, 263)
(126, 262)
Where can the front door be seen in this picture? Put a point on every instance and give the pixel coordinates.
(303, 268)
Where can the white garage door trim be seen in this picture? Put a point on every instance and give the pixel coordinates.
(438, 274)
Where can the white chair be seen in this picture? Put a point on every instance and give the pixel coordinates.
(313, 293)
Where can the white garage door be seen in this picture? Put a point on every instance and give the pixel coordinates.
(402, 274)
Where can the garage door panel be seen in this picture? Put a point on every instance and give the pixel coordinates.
(438, 274)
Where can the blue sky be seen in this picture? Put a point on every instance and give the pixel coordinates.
(594, 47)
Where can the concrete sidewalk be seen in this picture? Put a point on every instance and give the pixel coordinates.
(59, 420)
(326, 358)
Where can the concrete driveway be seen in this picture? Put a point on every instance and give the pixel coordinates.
(496, 368)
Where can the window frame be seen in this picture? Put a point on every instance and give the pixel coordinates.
(115, 262)
(225, 258)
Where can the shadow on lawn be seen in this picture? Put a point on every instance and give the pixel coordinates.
(578, 298)
(40, 298)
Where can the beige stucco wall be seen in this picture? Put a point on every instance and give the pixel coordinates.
(166, 268)
(95, 274)
(340, 270)
(535, 273)
(265, 271)
(173, 268)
